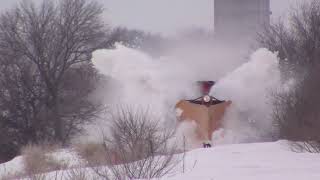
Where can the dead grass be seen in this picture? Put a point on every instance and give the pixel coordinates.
(10, 176)
(77, 174)
(36, 160)
(93, 153)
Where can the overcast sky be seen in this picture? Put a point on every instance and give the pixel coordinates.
(165, 16)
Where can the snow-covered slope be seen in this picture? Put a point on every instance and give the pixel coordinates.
(261, 161)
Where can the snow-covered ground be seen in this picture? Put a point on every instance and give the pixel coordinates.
(259, 161)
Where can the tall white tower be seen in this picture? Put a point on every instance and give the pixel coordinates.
(240, 18)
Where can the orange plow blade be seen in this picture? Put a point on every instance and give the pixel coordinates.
(207, 117)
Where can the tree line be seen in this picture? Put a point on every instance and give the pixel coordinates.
(46, 74)
(296, 112)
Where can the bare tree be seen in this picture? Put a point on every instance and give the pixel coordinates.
(46, 74)
(296, 111)
(137, 147)
(21, 105)
(153, 44)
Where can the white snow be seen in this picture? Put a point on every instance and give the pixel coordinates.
(141, 80)
(12, 167)
(179, 112)
(260, 161)
(256, 161)
(249, 88)
(158, 83)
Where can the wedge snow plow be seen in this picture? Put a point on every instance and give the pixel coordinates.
(207, 112)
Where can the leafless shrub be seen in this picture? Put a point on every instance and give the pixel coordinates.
(305, 146)
(296, 113)
(137, 148)
(57, 175)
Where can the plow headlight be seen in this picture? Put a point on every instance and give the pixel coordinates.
(206, 98)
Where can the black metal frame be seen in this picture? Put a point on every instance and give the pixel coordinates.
(213, 101)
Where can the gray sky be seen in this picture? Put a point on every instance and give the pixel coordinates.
(165, 16)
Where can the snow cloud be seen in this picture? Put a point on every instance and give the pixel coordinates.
(158, 83)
